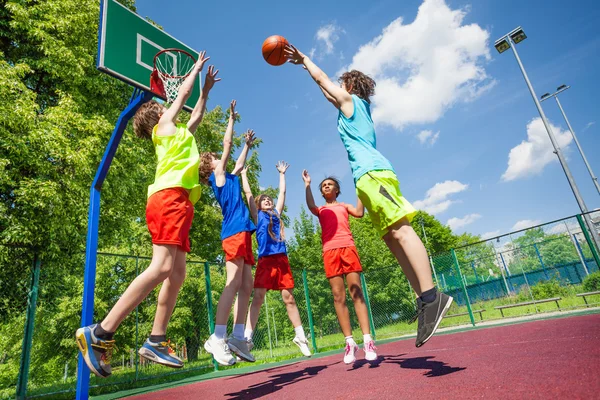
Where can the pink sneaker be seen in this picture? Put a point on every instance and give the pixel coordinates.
(350, 353)
(370, 351)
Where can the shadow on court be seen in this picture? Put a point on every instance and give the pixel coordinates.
(276, 383)
(432, 368)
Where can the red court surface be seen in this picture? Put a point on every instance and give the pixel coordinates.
(548, 359)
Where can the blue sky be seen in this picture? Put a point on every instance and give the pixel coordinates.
(454, 117)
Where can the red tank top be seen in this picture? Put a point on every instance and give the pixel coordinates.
(335, 227)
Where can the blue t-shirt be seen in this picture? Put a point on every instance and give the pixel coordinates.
(266, 244)
(236, 217)
(358, 135)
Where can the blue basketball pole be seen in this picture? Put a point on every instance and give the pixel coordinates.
(138, 98)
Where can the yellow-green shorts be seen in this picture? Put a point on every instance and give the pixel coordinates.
(379, 191)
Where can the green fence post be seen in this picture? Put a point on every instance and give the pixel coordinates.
(28, 336)
(463, 286)
(309, 311)
(366, 292)
(589, 241)
(209, 305)
(137, 323)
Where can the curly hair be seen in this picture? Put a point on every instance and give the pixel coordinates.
(359, 84)
(271, 213)
(205, 168)
(146, 118)
(336, 183)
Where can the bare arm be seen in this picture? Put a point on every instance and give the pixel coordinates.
(168, 120)
(241, 161)
(282, 166)
(341, 98)
(357, 211)
(200, 108)
(249, 196)
(310, 200)
(227, 143)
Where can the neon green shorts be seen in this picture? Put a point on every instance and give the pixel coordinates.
(380, 192)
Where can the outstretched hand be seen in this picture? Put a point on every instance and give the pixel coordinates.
(293, 55)
(249, 137)
(232, 113)
(211, 77)
(306, 177)
(202, 59)
(244, 170)
(282, 166)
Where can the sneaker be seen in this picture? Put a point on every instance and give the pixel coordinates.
(219, 350)
(370, 350)
(350, 353)
(161, 353)
(250, 344)
(240, 348)
(303, 345)
(430, 315)
(96, 352)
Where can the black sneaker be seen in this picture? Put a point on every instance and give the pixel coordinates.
(430, 315)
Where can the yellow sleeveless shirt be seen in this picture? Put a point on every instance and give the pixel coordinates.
(177, 162)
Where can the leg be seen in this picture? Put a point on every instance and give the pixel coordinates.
(292, 308)
(232, 286)
(408, 249)
(161, 267)
(355, 289)
(168, 295)
(257, 301)
(338, 289)
(240, 308)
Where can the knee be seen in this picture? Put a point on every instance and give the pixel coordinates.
(288, 298)
(178, 275)
(246, 287)
(259, 297)
(165, 268)
(339, 297)
(402, 234)
(356, 293)
(235, 282)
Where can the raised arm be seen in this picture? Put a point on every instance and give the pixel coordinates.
(169, 118)
(241, 161)
(249, 196)
(198, 111)
(310, 200)
(282, 166)
(227, 143)
(340, 98)
(357, 211)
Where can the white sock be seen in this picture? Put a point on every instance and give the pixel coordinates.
(367, 338)
(220, 331)
(300, 332)
(350, 340)
(248, 333)
(238, 331)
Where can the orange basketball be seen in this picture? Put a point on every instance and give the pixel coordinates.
(272, 50)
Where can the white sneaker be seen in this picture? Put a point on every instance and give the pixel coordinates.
(303, 345)
(240, 348)
(350, 353)
(219, 350)
(370, 350)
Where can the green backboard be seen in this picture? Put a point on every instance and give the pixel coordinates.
(127, 44)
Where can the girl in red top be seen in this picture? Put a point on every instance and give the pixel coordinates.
(341, 260)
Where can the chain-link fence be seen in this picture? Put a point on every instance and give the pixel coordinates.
(540, 269)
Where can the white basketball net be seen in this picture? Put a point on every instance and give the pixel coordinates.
(173, 67)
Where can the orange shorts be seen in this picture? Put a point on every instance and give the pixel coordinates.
(239, 245)
(274, 273)
(341, 261)
(169, 216)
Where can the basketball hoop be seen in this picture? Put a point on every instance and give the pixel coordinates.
(171, 67)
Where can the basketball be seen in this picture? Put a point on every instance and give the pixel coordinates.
(272, 50)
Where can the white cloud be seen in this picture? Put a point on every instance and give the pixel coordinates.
(457, 223)
(427, 136)
(531, 156)
(436, 200)
(588, 126)
(489, 235)
(525, 223)
(424, 67)
(326, 37)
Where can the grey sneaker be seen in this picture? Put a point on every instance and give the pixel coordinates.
(161, 353)
(240, 348)
(430, 315)
(219, 350)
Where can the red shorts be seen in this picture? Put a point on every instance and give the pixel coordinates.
(169, 215)
(239, 245)
(273, 273)
(341, 261)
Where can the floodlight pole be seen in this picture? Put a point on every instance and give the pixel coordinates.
(138, 98)
(556, 147)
